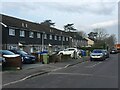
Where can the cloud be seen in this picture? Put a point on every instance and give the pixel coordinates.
(105, 24)
(59, 0)
(99, 8)
(79, 7)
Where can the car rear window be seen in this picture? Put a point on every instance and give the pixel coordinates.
(6, 52)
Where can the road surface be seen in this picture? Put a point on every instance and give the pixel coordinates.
(95, 74)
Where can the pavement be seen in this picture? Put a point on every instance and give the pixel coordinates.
(32, 70)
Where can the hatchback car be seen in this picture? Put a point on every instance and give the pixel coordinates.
(70, 51)
(26, 58)
(2, 61)
(113, 51)
(97, 54)
(106, 53)
(6, 53)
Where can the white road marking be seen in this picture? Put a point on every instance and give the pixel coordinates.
(73, 74)
(20, 79)
(14, 82)
(93, 65)
(67, 66)
(57, 69)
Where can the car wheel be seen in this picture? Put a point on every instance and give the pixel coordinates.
(91, 59)
(61, 54)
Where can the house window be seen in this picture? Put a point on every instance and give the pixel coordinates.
(59, 38)
(63, 38)
(45, 36)
(55, 37)
(50, 37)
(38, 35)
(31, 34)
(12, 32)
(22, 33)
(50, 30)
(66, 38)
(22, 24)
(26, 25)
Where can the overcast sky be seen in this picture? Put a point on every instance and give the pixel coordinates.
(85, 14)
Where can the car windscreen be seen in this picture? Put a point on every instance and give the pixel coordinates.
(22, 52)
(97, 51)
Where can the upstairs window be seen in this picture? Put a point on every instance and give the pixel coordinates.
(26, 25)
(22, 24)
(45, 36)
(59, 38)
(22, 33)
(38, 35)
(12, 32)
(31, 34)
(50, 37)
(55, 37)
(66, 38)
(63, 38)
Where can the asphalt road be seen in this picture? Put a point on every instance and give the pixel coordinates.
(95, 74)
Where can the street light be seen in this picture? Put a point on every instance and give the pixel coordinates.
(43, 41)
(70, 41)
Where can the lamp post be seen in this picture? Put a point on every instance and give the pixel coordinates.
(43, 41)
(62, 42)
(70, 41)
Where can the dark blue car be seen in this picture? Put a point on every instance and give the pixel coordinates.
(26, 58)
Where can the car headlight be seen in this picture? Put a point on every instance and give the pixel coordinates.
(101, 56)
(26, 57)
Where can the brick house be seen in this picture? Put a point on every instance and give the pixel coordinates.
(31, 36)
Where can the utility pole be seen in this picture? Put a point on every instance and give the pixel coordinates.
(43, 41)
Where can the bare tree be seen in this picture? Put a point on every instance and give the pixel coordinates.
(82, 33)
(111, 40)
(101, 33)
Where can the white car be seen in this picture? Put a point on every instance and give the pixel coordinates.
(70, 51)
(97, 54)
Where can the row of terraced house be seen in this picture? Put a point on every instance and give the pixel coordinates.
(30, 36)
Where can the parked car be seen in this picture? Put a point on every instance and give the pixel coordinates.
(10, 59)
(70, 51)
(26, 58)
(6, 52)
(106, 53)
(113, 51)
(97, 54)
(2, 61)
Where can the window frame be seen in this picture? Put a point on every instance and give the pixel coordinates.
(31, 35)
(45, 36)
(50, 37)
(55, 37)
(38, 35)
(11, 32)
(59, 38)
(21, 34)
(67, 39)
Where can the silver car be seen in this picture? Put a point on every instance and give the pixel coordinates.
(97, 54)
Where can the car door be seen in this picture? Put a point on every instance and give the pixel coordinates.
(66, 51)
(70, 51)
